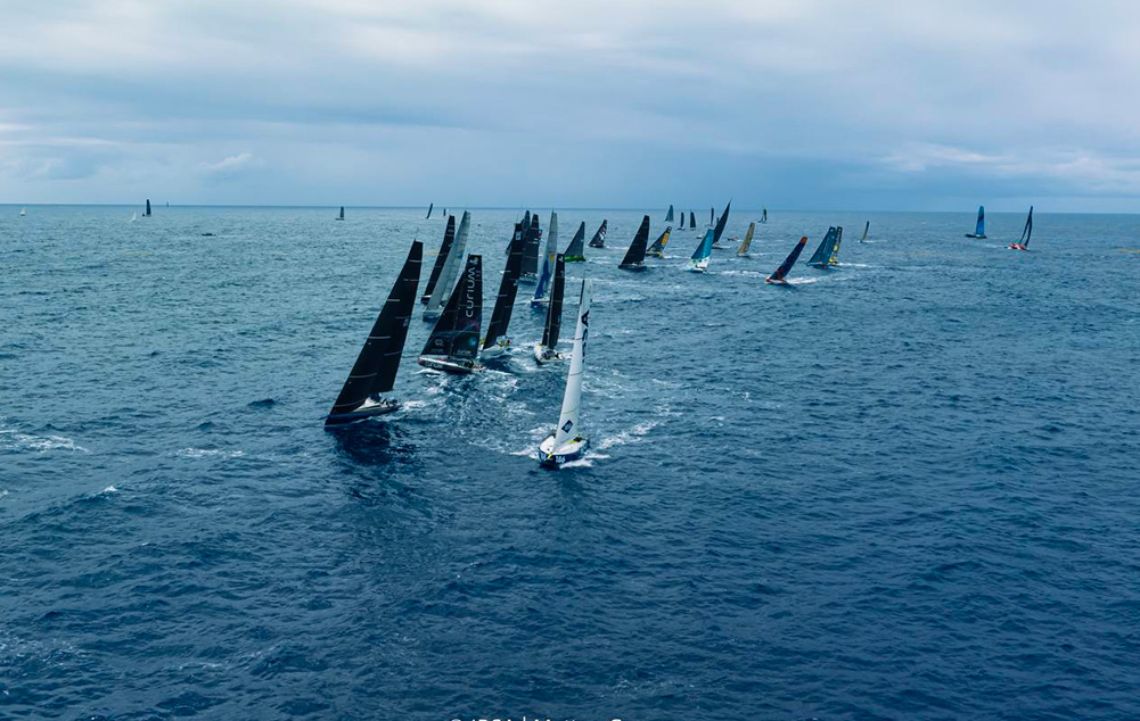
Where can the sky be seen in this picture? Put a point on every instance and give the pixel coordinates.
(861, 105)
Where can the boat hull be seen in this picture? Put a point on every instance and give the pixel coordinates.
(1017, 246)
(550, 457)
(574, 259)
(501, 349)
(978, 237)
(634, 268)
(545, 355)
(449, 365)
(369, 409)
(776, 281)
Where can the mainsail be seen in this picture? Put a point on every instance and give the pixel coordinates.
(778, 276)
(339, 217)
(682, 225)
(718, 231)
(554, 310)
(547, 262)
(508, 287)
(833, 256)
(635, 256)
(712, 216)
(822, 254)
(446, 279)
(431, 206)
(440, 258)
(692, 220)
(1026, 233)
(531, 241)
(455, 337)
(571, 401)
(866, 228)
(699, 260)
(657, 250)
(574, 251)
(764, 216)
(599, 239)
(374, 371)
(147, 213)
(980, 226)
(745, 244)
(669, 215)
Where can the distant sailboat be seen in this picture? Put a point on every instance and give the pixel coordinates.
(431, 207)
(669, 215)
(980, 227)
(374, 372)
(532, 239)
(440, 259)
(23, 212)
(699, 261)
(764, 216)
(692, 220)
(147, 213)
(635, 257)
(497, 341)
(827, 253)
(566, 443)
(599, 239)
(574, 251)
(446, 280)
(134, 217)
(718, 229)
(742, 249)
(682, 225)
(779, 277)
(540, 290)
(712, 217)
(866, 228)
(338, 217)
(547, 349)
(453, 345)
(657, 250)
(1026, 233)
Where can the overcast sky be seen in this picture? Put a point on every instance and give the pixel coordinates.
(866, 104)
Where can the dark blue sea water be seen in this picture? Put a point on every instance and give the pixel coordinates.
(903, 489)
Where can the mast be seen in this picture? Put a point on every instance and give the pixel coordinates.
(446, 279)
(786, 266)
(456, 333)
(440, 258)
(599, 239)
(635, 256)
(571, 400)
(554, 310)
(574, 251)
(508, 288)
(669, 215)
(658, 247)
(747, 242)
(374, 371)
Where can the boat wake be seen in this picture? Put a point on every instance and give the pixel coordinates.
(11, 439)
(208, 453)
(633, 435)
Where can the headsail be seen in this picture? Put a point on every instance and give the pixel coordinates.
(745, 244)
(374, 371)
(699, 260)
(635, 256)
(669, 215)
(446, 279)
(657, 250)
(571, 400)
(456, 333)
(508, 288)
(599, 239)
(786, 266)
(574, 251)
(440, 258)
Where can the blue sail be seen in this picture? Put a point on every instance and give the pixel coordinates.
(980, 230)
(540, 289)
(704, 250)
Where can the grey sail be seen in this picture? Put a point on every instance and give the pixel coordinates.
(374, 371)
(554, 311)
(440, 258)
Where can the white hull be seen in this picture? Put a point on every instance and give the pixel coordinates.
(571, 450)
(448, 365)
(372, 407)
(546, 355)
(501, 349)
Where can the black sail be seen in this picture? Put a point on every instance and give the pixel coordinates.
(790, 260)
(577, 245)
(823, 251)
(599, 239)
(379, 359)
(669, 215)
(440, 259)
(712, 216)
(147, 213)
(636, 253)
(692, 219)
(508, 288)
(720, 223)
(456, 333)
(682, 225)
(554, 311)
(532, 238)
(431, 207)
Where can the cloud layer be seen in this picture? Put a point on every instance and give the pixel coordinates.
(804, 104)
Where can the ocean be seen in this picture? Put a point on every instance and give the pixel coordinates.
(905, 488)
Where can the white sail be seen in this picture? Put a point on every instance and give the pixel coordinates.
(450, 270)
(568, 419)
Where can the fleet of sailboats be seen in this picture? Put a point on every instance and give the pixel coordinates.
(567, 443)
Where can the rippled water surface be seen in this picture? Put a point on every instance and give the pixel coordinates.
(905, 488)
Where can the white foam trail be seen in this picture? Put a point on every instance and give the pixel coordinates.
(10, 438)
(208, 453)
(109, 489)
(633, 435)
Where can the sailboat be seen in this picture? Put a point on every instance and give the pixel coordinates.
(374, 372)
(635, 257)
(718, 229)
(547, 349)
(599, 239)
(446, 279)
(657, 250)
(712, 217)
(827, 254)
(543, 286)
(147, 213)
(453, 345)
(866, 228)
(574, 251)
(532, 238)
(779, 277)
(431, 207)
(339, 217)
(1026, 232)
(699, 261)
(692, 220)
(980, 228)
(669, 215)
(497, 342)
(565, 443)
(440, 259)
(134, 217)
(23, 212)
(682, 225)
(742, 249)
(764, 216)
